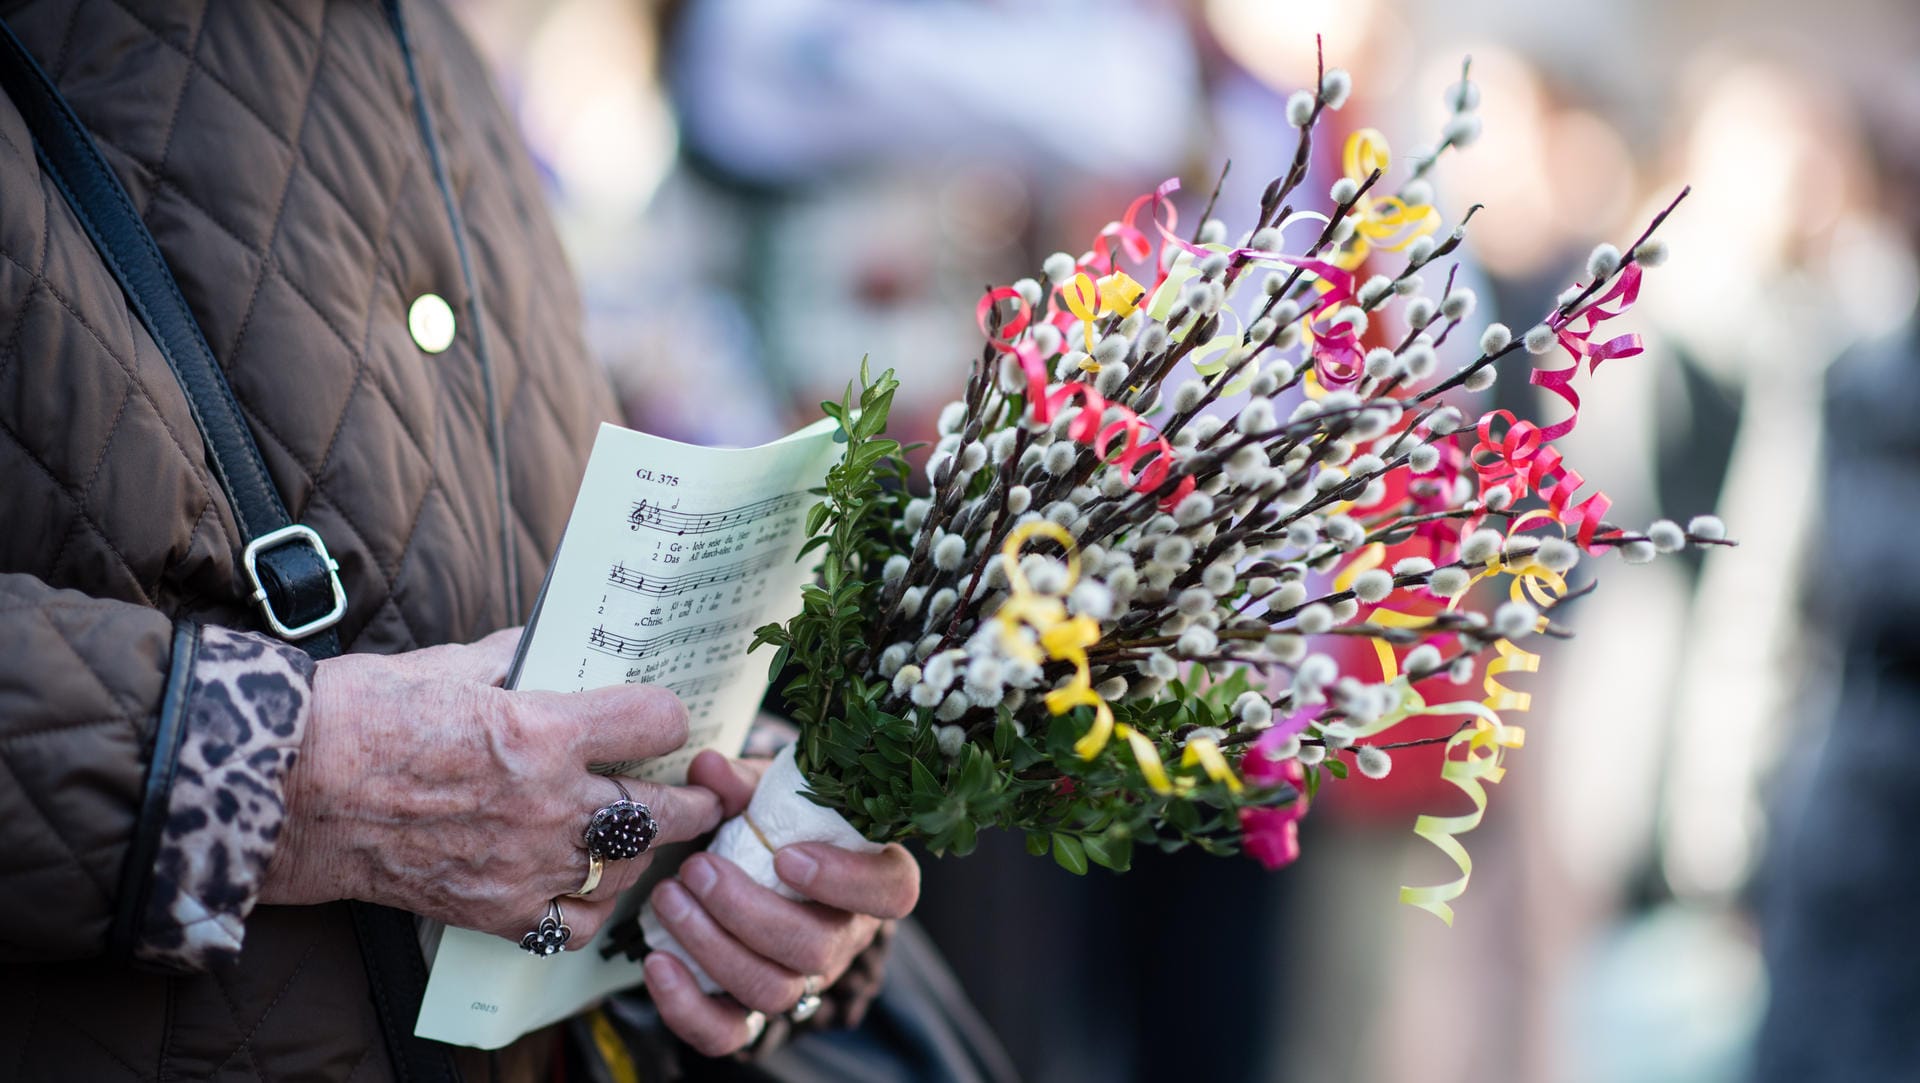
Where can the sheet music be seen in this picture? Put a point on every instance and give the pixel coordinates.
(674, 554)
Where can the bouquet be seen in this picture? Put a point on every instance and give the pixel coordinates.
(1180, 468)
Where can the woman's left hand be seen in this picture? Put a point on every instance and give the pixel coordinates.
(760, 946)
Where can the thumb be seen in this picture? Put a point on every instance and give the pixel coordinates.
(732, 781)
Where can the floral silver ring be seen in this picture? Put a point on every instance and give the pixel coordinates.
(550, 936)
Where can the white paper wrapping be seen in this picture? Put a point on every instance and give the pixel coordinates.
(784, 817)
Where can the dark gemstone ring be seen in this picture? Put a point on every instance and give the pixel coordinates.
(550, 936)
(622, 829)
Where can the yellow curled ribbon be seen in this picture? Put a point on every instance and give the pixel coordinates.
(1473, 756)
(1117, 294)
(1483, 745)
(1066, 639)
(1388, 223)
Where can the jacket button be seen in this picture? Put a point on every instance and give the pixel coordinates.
(430, 319)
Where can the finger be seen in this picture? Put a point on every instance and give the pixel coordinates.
(753, 980)
(715, 1026)
(806, 938)
(619, 723)
(885, 883)
(732, 781)
(582, 917)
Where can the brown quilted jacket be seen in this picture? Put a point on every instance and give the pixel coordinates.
(272, 148)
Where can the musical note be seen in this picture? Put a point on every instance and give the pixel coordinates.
(664, 586)
(679, 523)
(620, 646)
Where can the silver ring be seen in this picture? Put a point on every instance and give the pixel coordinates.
(809, 1002)
(621, 830)
(550, 936)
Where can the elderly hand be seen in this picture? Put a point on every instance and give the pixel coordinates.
(758, 945)
(424, 785)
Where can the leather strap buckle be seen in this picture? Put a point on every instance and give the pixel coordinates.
(274, 540)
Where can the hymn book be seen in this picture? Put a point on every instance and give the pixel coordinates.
(673, 556)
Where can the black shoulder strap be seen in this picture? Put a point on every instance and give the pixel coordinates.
(296, 583)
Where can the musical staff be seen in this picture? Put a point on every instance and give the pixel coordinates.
(619, 646)
(662, 586)
(679, 523)
(699, 686)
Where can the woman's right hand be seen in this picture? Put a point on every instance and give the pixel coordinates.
(422, 784)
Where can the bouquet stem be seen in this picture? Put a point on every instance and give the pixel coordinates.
(778, 815)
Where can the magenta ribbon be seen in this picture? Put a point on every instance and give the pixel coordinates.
(1575, 333)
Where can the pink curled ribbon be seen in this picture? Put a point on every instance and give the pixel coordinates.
(1143, 456)
(1522, 461)
(1575, 333)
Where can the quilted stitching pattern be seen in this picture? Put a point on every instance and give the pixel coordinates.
(270, 147)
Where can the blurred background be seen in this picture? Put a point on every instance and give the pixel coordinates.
(1698, 868)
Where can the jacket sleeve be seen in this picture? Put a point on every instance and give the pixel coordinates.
(143, 765)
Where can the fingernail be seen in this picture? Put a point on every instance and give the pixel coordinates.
(661, 975)
(671, 900)
(699, 875)
(795, 867)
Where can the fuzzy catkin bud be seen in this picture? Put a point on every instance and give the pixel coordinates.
(1194, 509)
(1667, 536)
(1638, 552)
(1188, 395)
(1316, 619)
(1335, 86)
(1449, 582)
(1557, 555)
(1059, 268)
(1480, 379)
(1603, 261)
(1372, 585)
(1462, 130)
(1412, 566)
(1708, 527)
(1480, 546)
(895, 569)
(1515, 619)
(1459, 304)
(1029, 290)
(1539, 339)
(1495, 338)
(948, 552)
(1299, 109)
(1372, 762)
(1419, 312)
(1651, 254)
(1345, 190)
(905, 679)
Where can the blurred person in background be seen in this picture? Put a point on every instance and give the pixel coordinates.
(1838, 896)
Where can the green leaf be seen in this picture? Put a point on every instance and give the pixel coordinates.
(1110, 851)
(1069, 854)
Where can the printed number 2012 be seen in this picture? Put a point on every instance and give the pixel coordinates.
(645, 474)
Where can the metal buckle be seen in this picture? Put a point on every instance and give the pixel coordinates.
(273, 540)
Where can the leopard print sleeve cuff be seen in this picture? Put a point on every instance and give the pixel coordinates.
(246, 710)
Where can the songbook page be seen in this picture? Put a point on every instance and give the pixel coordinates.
(674, 554)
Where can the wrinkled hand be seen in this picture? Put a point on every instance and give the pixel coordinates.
(424, 785)
(758, 945)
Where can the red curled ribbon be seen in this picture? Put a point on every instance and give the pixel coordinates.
(1522, 461)
(1144, 456)
(1577, 341)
